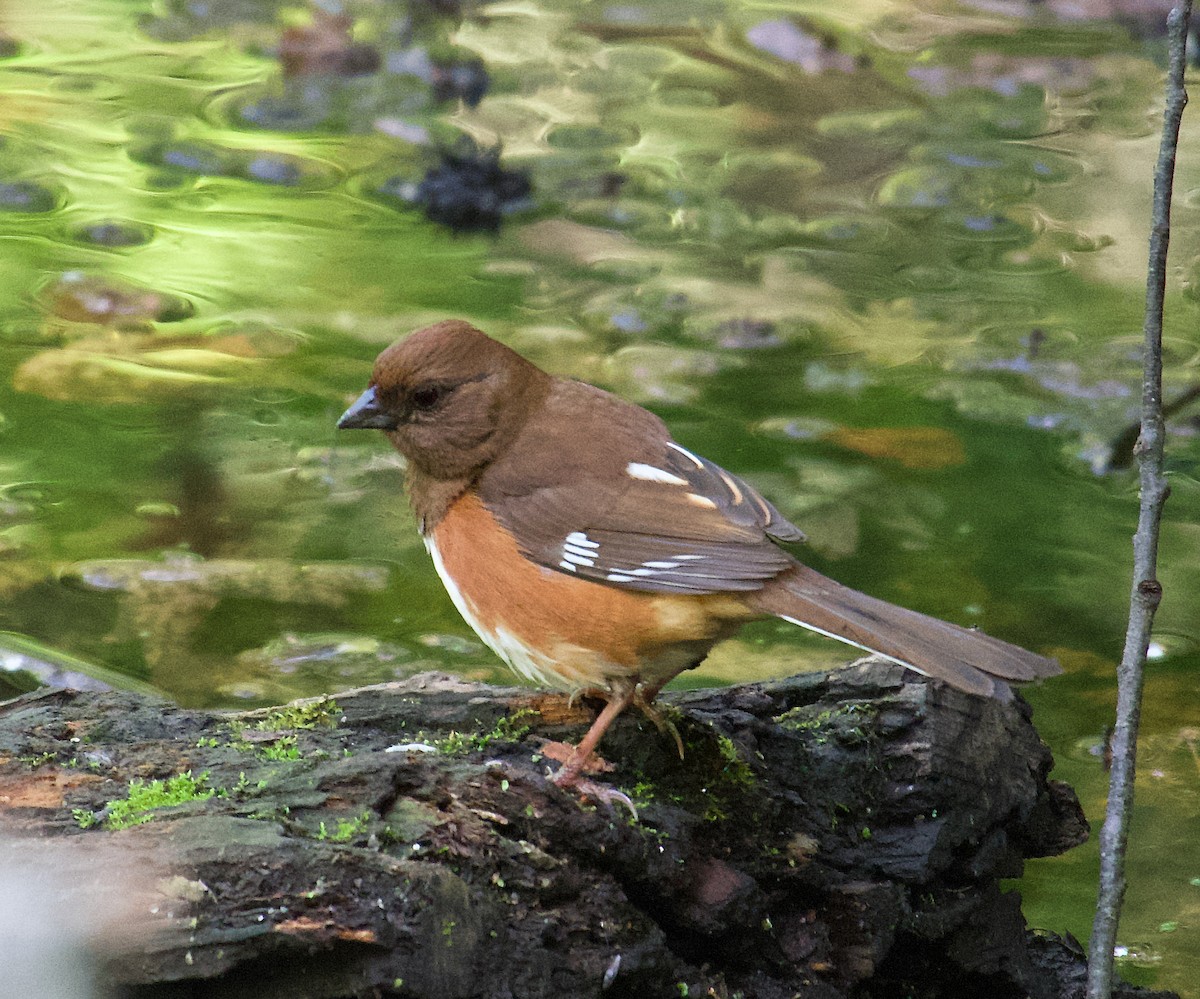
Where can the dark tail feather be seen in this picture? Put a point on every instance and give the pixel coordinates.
(968, 660)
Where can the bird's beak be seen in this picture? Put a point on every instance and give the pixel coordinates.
(366, 414)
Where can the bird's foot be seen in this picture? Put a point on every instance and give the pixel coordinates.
(563, 753)
(570, 779)
(570, 775)
(645, 703)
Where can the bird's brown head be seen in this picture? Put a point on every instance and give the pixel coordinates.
(449, 398)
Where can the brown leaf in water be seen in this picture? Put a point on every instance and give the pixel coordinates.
(97, 298)
(325, 47)
(913, 447)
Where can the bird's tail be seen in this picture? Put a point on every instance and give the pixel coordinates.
(966, 659)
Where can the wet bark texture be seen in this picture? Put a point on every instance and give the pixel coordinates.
(827, 836)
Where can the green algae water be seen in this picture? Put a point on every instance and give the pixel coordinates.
(887, 263)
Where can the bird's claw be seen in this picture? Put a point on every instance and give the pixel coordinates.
(600, 793)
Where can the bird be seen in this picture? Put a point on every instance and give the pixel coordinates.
(595, 554)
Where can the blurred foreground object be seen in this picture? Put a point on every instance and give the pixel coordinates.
(65, 909)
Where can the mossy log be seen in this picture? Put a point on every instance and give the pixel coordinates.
(840, 835)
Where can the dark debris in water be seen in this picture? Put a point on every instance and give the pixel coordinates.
(747, 334)
(448, 79)
(26, 196)
(472, 192)
(181, 157)
(274, 169)
(293, 112)
(468, 191)
(114, 233)
(200, 158)
(467, 81)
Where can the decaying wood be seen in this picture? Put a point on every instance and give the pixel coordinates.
(825, 835)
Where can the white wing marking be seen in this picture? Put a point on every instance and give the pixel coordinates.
(686, 453)
(648, 473)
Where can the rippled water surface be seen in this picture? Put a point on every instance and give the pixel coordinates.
(885, 263)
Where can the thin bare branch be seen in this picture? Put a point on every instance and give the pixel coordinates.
(1146, 592)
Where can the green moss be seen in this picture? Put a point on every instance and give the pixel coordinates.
(283, 748)
(847, 723)
(345, 829)
(240, 745)
(292, 717)
(244, 789)
(716, 760)
(642, 794)
(84, 818)
(101, 731)
(275, 814)
(145, 796)
(507, 729)
(324, 713)
(735, 769)
(715, 780)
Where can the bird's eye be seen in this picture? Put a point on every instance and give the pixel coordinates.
(428, 396)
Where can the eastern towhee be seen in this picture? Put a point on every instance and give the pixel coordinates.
(592, 552)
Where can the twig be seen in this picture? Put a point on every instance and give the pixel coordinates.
(1146, 591)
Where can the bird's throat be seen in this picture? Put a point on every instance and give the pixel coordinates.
(430, 498)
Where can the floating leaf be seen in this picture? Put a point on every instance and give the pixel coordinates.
(913, 447)
(94, 298)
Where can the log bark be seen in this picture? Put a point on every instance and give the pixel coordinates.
(829, 836)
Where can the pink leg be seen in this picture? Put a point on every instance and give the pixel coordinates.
(569, 773)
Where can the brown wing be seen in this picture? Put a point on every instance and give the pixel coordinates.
(664, 521)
